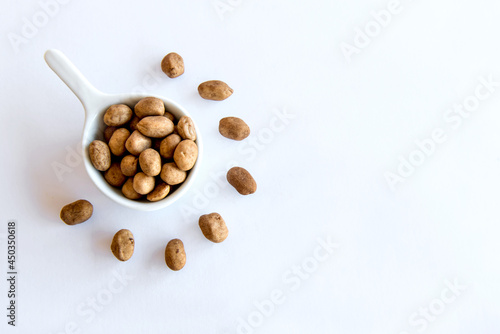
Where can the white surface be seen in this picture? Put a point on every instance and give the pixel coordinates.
(321, 175)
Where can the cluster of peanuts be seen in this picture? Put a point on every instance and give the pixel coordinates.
(147, 151)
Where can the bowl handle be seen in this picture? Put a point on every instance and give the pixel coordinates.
(88, 95)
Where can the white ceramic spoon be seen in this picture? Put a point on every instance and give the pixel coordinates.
(95, 104)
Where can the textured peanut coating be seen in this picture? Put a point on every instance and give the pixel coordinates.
(185, 154)
(118, 115)
(213, 227)
(160, 192)
(215, 90)
(123, 245)
(143, 184)
(241, 180)
(128, 189)
(128, 165)
(149, 106)
(150, 162)
(100, 155)
(155, 126)
(186, 129)
(137, 142)
(117, 141)
(168, 145)
(172, 65)
(175, 255)
(114, 175)
(76, 212)
(171, 174)
(234, 128)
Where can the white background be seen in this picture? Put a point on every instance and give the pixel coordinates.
(320, 176)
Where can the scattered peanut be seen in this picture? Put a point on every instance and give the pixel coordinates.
(241, 180)
(234, 128)
(123, 244)
(172, 65)
(213, 227)
(175, 255)
(76, 212)
(215, 90)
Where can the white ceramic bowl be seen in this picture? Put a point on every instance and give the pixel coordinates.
(95, 104)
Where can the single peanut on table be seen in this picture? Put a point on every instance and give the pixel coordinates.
(241, 180)
(123, 245)
(175, 255)
(77, 212)
(213, 227)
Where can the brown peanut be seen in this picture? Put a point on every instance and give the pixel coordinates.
(150, 162)
(77, 212)
(128, 189)
(234, 128)
(114, 175)
(168, 145)
(128, 165)
(123, 244)
(143, 184)
(186, 128)
(137, 142)
(213, 227)
(185, 154)
(172, 65)
(155, 126)
(175, 255)
(215, 90)
(241, 180)
(118, 115)
(171, 174)
(160, 192)
(100, 155)
(149, 106)
(117, 141)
